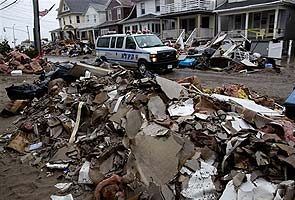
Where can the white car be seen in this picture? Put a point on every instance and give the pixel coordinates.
(141, 51)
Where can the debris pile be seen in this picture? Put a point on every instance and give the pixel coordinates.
(16, 63)
(128, 138)
(222, 53)
(68, 48)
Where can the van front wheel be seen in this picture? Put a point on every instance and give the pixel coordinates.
(142, 67)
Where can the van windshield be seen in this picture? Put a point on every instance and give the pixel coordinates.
(146, 41)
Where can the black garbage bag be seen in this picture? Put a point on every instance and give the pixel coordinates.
(61, 71)
(27, 91)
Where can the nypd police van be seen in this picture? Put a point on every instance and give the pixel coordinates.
(141, 51)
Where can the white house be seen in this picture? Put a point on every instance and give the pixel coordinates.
(146, 12)
(94, 16)
(71, 15)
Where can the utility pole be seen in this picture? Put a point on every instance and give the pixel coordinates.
(14, 40)
(28, 33)
(37, 37)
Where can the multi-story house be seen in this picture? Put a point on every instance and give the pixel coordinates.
(117, 11)
(191, 16)
(146, 12)
(93, 17)
(71, 17)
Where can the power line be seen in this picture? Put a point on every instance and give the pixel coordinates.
(3, 2)
(8, 5)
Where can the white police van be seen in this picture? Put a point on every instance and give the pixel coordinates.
(141, 51)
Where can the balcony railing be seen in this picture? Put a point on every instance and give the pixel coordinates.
(171, 34)
(187, 5)
(201, 33)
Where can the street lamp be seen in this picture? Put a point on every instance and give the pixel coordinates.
(15, 29)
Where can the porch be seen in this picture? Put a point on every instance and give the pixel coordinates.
(267, 24)
(202, 24)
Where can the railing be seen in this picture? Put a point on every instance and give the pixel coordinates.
(206, 33)
(201, 33)
(171, 34)
(255, 33)
(186, 5)
(235, 33)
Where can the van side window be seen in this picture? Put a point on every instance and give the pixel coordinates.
(103, 42)
(113, 42)
(120, 42)
(130, 44)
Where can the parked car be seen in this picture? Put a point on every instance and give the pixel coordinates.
(140, 51)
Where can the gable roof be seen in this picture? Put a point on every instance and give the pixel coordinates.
(98, 7)
(142, 18)
(245, 4)
(127, 3)
(78, 6)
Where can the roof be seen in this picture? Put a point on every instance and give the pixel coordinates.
(56, 30)
(109, 23)
(141, 19)
(98, 7)
(78, 6)
(185, 13)
(127, 3)
(245, 4)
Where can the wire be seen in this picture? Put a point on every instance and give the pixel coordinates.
(3, 2)
(8, 5)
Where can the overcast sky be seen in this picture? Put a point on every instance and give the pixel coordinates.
(21, 14)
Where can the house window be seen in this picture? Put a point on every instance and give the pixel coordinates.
(103, 42)
(64, 21)
(127, 29)
(119, 14)
(142, 8)
(87, 18)
(134, 28)
(205, 21)
(60, 24)
(78, 19)
(157, 28)
(83, 35)
(153, 28)
(94, 18)
(70, 19)
(120, 41)
(158, 7)
(257, 20)
(172, 25)
(109, 15)
(238, 22)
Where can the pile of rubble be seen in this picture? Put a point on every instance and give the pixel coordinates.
(68, 48)
(152, 138)
(16, 63)
(223, 53)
